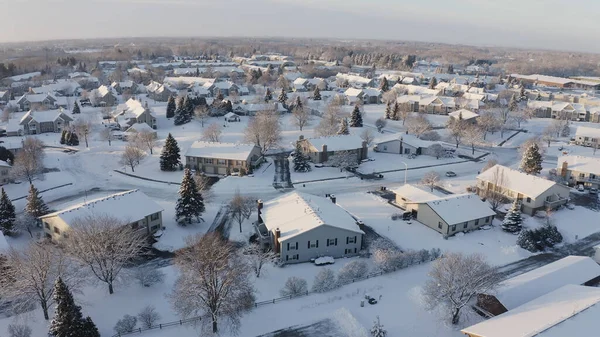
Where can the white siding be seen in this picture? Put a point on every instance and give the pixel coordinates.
(321, 234)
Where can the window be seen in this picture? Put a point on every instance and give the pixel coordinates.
(465, 225)
(439, 225)
(349, 251)
(208, 161)
(406, 151)
(331, 242)
(154, 216)
(453, 228)
(581, 175)
(56, 230)
(385, 148)
(135, 225)
(292, 257)
(477, 222)
(293, 246)
(351, 239)
(221, 162)
(592, 176)
(487, 219)
(46, 225)
(313, 244)
(528, 199)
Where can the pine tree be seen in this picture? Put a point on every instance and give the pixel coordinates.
(298, 103)
(300, 161)
(76, 109)
(282, 96)
(190, 203)
(169, 157)
(396, 112)
(188, 108)
(512, 222)
(36, 207)
(63, 137)
(531, 163)
(377, 330)
(522, 94)
(171, 107)
(384, 86)
(512, 104)
(433, 83)
(71, 138)
(90, 328)
(268, 95)
(356, 118)
(68, 321)
(7, 214)
(388, 111)
(343, 130)
(317, 94)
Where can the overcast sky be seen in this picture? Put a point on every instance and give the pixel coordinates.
(548, 24)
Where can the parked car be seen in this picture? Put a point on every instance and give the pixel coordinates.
(450, 174)
(580, 188)
(318, 165)
(85, 102)
(593, 190)
(372, 300)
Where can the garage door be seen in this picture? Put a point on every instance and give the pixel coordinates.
(222, 170)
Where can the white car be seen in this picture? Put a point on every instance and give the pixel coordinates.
(580, 188)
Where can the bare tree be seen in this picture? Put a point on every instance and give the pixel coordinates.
(488, 122)
(418, 125)
(108, 135)
(330, 121)
(213, 282)
(30, 274)
(82, 128)
(257, 257)
(489, 164)
(456, 130)
(294, 286)
(212, 133)
(431, 179)
(494, 196)
(132, 156)
(473, 135)
(19, 330)
(520, 116)
(380, 123)
(148, 316)
(240, 208)
(144, 139)
(201, 113)
(436, 150)
(203, 183)
(403, 115)
(456, 279)
(301, 116)
(105, 244)
(264, 130)
(368, 136)
(548, 134)
(29, 162)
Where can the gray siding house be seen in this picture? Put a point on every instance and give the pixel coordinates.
(36, 122)
(30, 100)
(301, 227)
(580, 170)
(222, 158)
(323, 149)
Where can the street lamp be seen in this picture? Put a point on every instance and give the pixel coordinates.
(405, 170)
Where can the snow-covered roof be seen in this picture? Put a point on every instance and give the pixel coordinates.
(139, 127)
(295, 213)
(354, 78)
(262, 107)
(533, 284)
(231, 151)
(526, 184)
(581, 164)
(372, 92)
(464, 113)
(104, 90)
(552, 79)
(415, 89)
(353, 92)
(408, 99)
(35, 98)
(584, 131)
(459, 208)
(539, 104)
(24, 76)
(126, 206)
(337, 143)
(414, 194)
(411, 140)
(571, 310)
(46, 115)
(188, 80)
(230, 115)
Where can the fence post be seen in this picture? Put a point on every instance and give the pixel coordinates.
(180, 322)
(160, 326)
(273, 301)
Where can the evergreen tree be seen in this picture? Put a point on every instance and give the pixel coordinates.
(68, 321)
(378, 330)
(512, 104)
(169, 157)
(384, 85)
(171, 107)
(512, 222)
(71, 138)
(63, 136)
(531, 163)
(522, 94)
(268, 95)
(433, 83)
(282, 96)
(343, 130)
(300, 160)
(396, 112)
(7, 214)
(76, 109)
(190, 203)
(388, 111)
(356, 118)
(298, 103)
(228, 106)
(90, 328)
(188, 108)
(6, 155)
(317, 94)
(36, 207)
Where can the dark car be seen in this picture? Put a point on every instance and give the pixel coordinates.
(372, 301)
(450, 174)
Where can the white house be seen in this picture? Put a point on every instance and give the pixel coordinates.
(131, 207)
(403, 144)
(133, 112)
(231, 117)
(411, 194)
(301, 227)
(465, 115)
(533, 192)
(580, 170)
(587, 136)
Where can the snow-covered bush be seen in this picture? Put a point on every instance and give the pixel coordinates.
(148, 316)
(377, 330)
(148, 276)
(391, 258)
(294, 286)
(126, 324)
(535, 240)
(324, 281)
(18, 330)
(352, 271)
(431, 136)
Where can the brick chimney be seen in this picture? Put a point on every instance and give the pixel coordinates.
(276, 246)
(563, 169)
(259, 207)
(324, 151)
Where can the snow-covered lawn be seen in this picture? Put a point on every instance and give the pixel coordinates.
(573, 224)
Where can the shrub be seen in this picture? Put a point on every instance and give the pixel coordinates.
(148, 275)
(352, 271)
(126, 324)
(294, 286)
(148, 316)
(18, 330)
(324, 281)
(535, 240)
(431, 136)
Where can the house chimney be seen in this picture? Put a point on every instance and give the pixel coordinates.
(563, 169)
(324, 153)
(259, 206)
(333, 198)
(276, 246)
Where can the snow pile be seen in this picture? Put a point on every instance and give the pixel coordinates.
(324, 260)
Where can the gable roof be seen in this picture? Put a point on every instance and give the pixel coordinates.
(413, 194)
(456, 209)
(353, 92)
(411, 140)
(526, 184)
(35, 98)
(533, 284)
(230, 151)
(585, 131)
(337, 143)
(295, 213)
(581, 164)
(45, 116)
(104, 90)
(126, 206)
(139, 127)
(466, 114)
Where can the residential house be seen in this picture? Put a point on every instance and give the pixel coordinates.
(558, 82)
(533, 192)
(160, 92)
(133, 112)
(104, 96)
(365, 96)
(59, 87)
(139, 127)
(30, 100)
(13, 146)
(465, 115)
(14, 127)
(518, 290)
(587, 136)
(301, 227)
(36, 122)
(5, 169)
(580, 170)
(125, 86)
(253, 109)
(411, 194)
(451, 214)
(224, 87)
(323, 149)
(415, 90)
(231, 117)
(571, 310)
(403, 144)
(595, 114)
(133, 208)
(436, 105)
(356, 81)
(222, 158)
(300, 84)
(560, 110)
